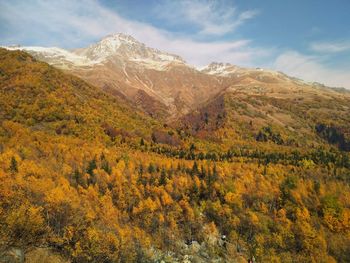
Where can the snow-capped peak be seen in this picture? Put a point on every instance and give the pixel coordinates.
(107, 46)
(126, 47)
(121, 38)
(221, 69)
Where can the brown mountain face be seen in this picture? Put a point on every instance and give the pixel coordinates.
(159, 83)
(171, 92)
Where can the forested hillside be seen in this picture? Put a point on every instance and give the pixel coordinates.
(87, 178)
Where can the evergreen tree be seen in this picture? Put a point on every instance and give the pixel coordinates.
(215, 173)
(90, 170)
(105, 164)
(195, 170)
(151, 168)
(203, 172)
(106, 167)
(192, 147)
(14, 165)
(141, 169)
(162, 180)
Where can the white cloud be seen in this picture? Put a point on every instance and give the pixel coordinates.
(71, 23)
(311, 69)
(330, 47)
(211, 17)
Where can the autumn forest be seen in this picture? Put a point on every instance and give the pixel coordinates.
(89, 177)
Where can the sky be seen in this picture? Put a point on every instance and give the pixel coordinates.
(305, 39)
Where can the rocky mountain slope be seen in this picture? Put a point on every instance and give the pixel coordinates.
(161, 84)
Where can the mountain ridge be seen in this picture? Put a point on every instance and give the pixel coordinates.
(109, 46)
(171, 88)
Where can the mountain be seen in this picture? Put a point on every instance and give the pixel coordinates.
(161, 84)
(125, 47)
(219, 98)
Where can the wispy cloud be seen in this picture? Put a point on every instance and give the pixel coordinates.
(72, 24)
(330, 47)
(210, 17)
(310, 68)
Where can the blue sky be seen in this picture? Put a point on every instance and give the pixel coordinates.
(307, 39)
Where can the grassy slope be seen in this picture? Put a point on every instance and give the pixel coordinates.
(237, 115)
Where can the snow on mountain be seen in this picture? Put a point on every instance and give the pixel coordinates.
(122, 50)
(126, 48)
(229, 70)
(56, 56)
(117, 47)
(220, 69)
